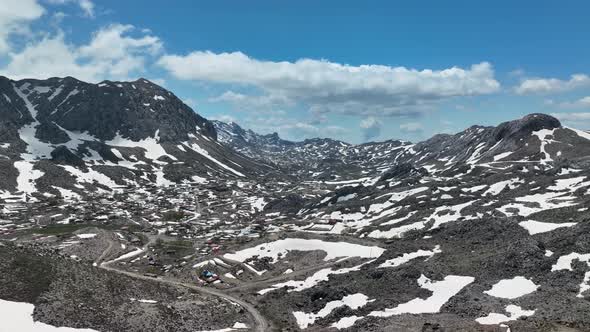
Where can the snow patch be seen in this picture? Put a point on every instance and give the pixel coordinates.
(442, 291)
(353, 301)
(409, 256)
(86, 236)
(514, 311)
(18, 316)
(565, 262)
(512, 288)
(282, 247)
(27, 176)
(151, 145)
(536, 227)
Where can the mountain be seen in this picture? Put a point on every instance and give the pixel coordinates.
(535, 137)
(483, 230)
(316, 158)
(62, 134)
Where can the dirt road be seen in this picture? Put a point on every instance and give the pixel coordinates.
(261, 324)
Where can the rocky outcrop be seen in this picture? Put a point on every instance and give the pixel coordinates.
(522, 128)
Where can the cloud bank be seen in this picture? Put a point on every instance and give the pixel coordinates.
(329, 87)
(112, 53)
(552, 85)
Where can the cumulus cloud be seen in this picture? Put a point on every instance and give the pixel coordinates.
(411, 127)
(112, 42)
(371, 128)
(332, 87)
(14, 19)
(550, 85)
(112, 53)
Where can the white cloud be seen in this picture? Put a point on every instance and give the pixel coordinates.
(111, 54)
(332, 87)
(49, 57)
(14, 19)
(411, 127)
(549, 85)
(252, 101)
(287, 127)
(111, 42)
(580, 103)
(371, 128)
(87, 6)
(572, 116)
(297, 130)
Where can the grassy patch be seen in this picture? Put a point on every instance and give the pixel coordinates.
(173, 215)
(57, 229)
(174, 249)
(177, 244)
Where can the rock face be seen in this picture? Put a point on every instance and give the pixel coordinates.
(232, 133)
(523, 128)
(135, 110)
(400, 171)
(136, 132)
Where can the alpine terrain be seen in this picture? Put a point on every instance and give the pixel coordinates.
(121, 209)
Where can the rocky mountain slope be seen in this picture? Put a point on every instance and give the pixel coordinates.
(534, 138)
(61, 135)
(317, 158)
(483, 230)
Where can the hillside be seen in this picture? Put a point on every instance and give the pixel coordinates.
(62, 135)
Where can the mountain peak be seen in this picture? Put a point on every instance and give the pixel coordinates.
(523, 127)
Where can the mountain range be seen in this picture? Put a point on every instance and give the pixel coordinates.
(482, 230)
(63, 134)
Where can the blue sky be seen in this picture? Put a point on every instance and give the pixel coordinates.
(351, 70)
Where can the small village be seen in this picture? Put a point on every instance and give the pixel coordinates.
(181, 224)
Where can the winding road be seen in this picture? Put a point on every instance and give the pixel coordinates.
(261, 324)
